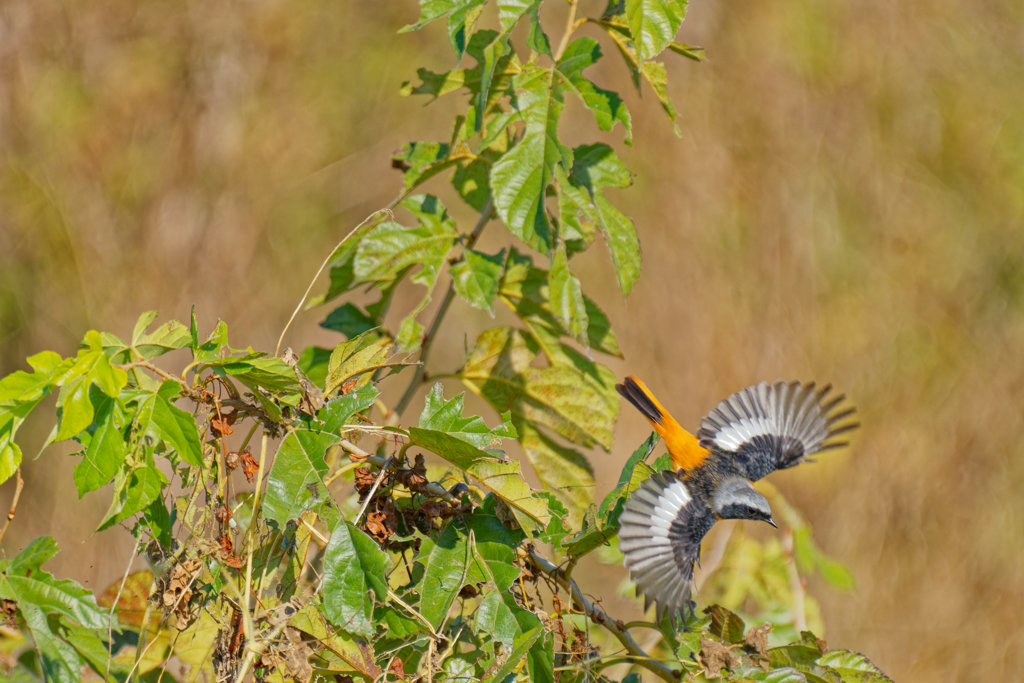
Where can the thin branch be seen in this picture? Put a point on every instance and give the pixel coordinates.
(570, 26)
(449, 296)
(433, 489)
(113, 607)
(14, 504)
(376, 485)
(149, 366)
(323, 265)
(599, 616)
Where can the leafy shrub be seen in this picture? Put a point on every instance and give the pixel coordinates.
(442, 572)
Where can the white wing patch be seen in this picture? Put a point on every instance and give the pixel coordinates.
(654, 537)
(787, 411)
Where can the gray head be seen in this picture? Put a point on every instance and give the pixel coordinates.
(737, 499)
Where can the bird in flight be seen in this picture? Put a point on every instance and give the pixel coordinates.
(751, 434)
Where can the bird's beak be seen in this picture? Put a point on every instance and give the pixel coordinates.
(772, 522)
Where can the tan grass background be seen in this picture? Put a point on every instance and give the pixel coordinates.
(845, 204)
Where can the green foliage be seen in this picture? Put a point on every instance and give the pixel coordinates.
(435, 571)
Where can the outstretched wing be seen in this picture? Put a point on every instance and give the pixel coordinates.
(661, 530)
(771, 427)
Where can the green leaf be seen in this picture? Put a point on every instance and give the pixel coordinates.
(462, 16)
(576, 399)
(138, 490)
(349, 320)
(342, 651)
(607, 107)
(537, 40)
(338, 411)
(27, 584)
(355, 358)
(853, 667)
(170, 336)
(296, 480)
(20, 392)
(501, 478)
(654, 24)
(476, 278)
(567, 297)
(562, 471)
(421, 161)
(35, 555)
(355, 572)
(209, 350)
(313, 362)
(523, 645)
(446, 416)
(697, 54)
(91, 366)
(782, 675)
(105, 451)
(445, 570)
(524, 289)
(654, 73)
(520, 178)
(388, 250)
(606, 518)
(580, 197)
(436, 84)
(160, 419)
(60, 662)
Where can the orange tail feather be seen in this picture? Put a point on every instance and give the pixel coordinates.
(683, 446)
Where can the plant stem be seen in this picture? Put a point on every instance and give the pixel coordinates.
(570, 26)
(599, 616)
(14, 504)
(428, 341)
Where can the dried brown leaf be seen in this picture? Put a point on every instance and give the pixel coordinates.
(714, 657)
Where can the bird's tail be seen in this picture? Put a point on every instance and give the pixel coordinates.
(684, 448)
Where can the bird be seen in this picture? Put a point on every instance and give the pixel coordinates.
(757, 430)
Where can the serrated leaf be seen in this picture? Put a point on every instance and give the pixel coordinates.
(562, 471)
(654, 24)
(105, 451)
(339, 410)
(501, 478)
(785, 674)
(27, 584)
(476, 278)
(436, 84)
(296, 480)
(853, 667)
(446, 416)
(91, 366)
(607, 107)
(524, 289)
(578, 201)
(355, 572)
(160, 419)
(170, 336)
(567, 297)
(520, 178)
(313, 363)
(578, 404)
(355, 358)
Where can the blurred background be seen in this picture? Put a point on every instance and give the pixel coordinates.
(845, 204)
